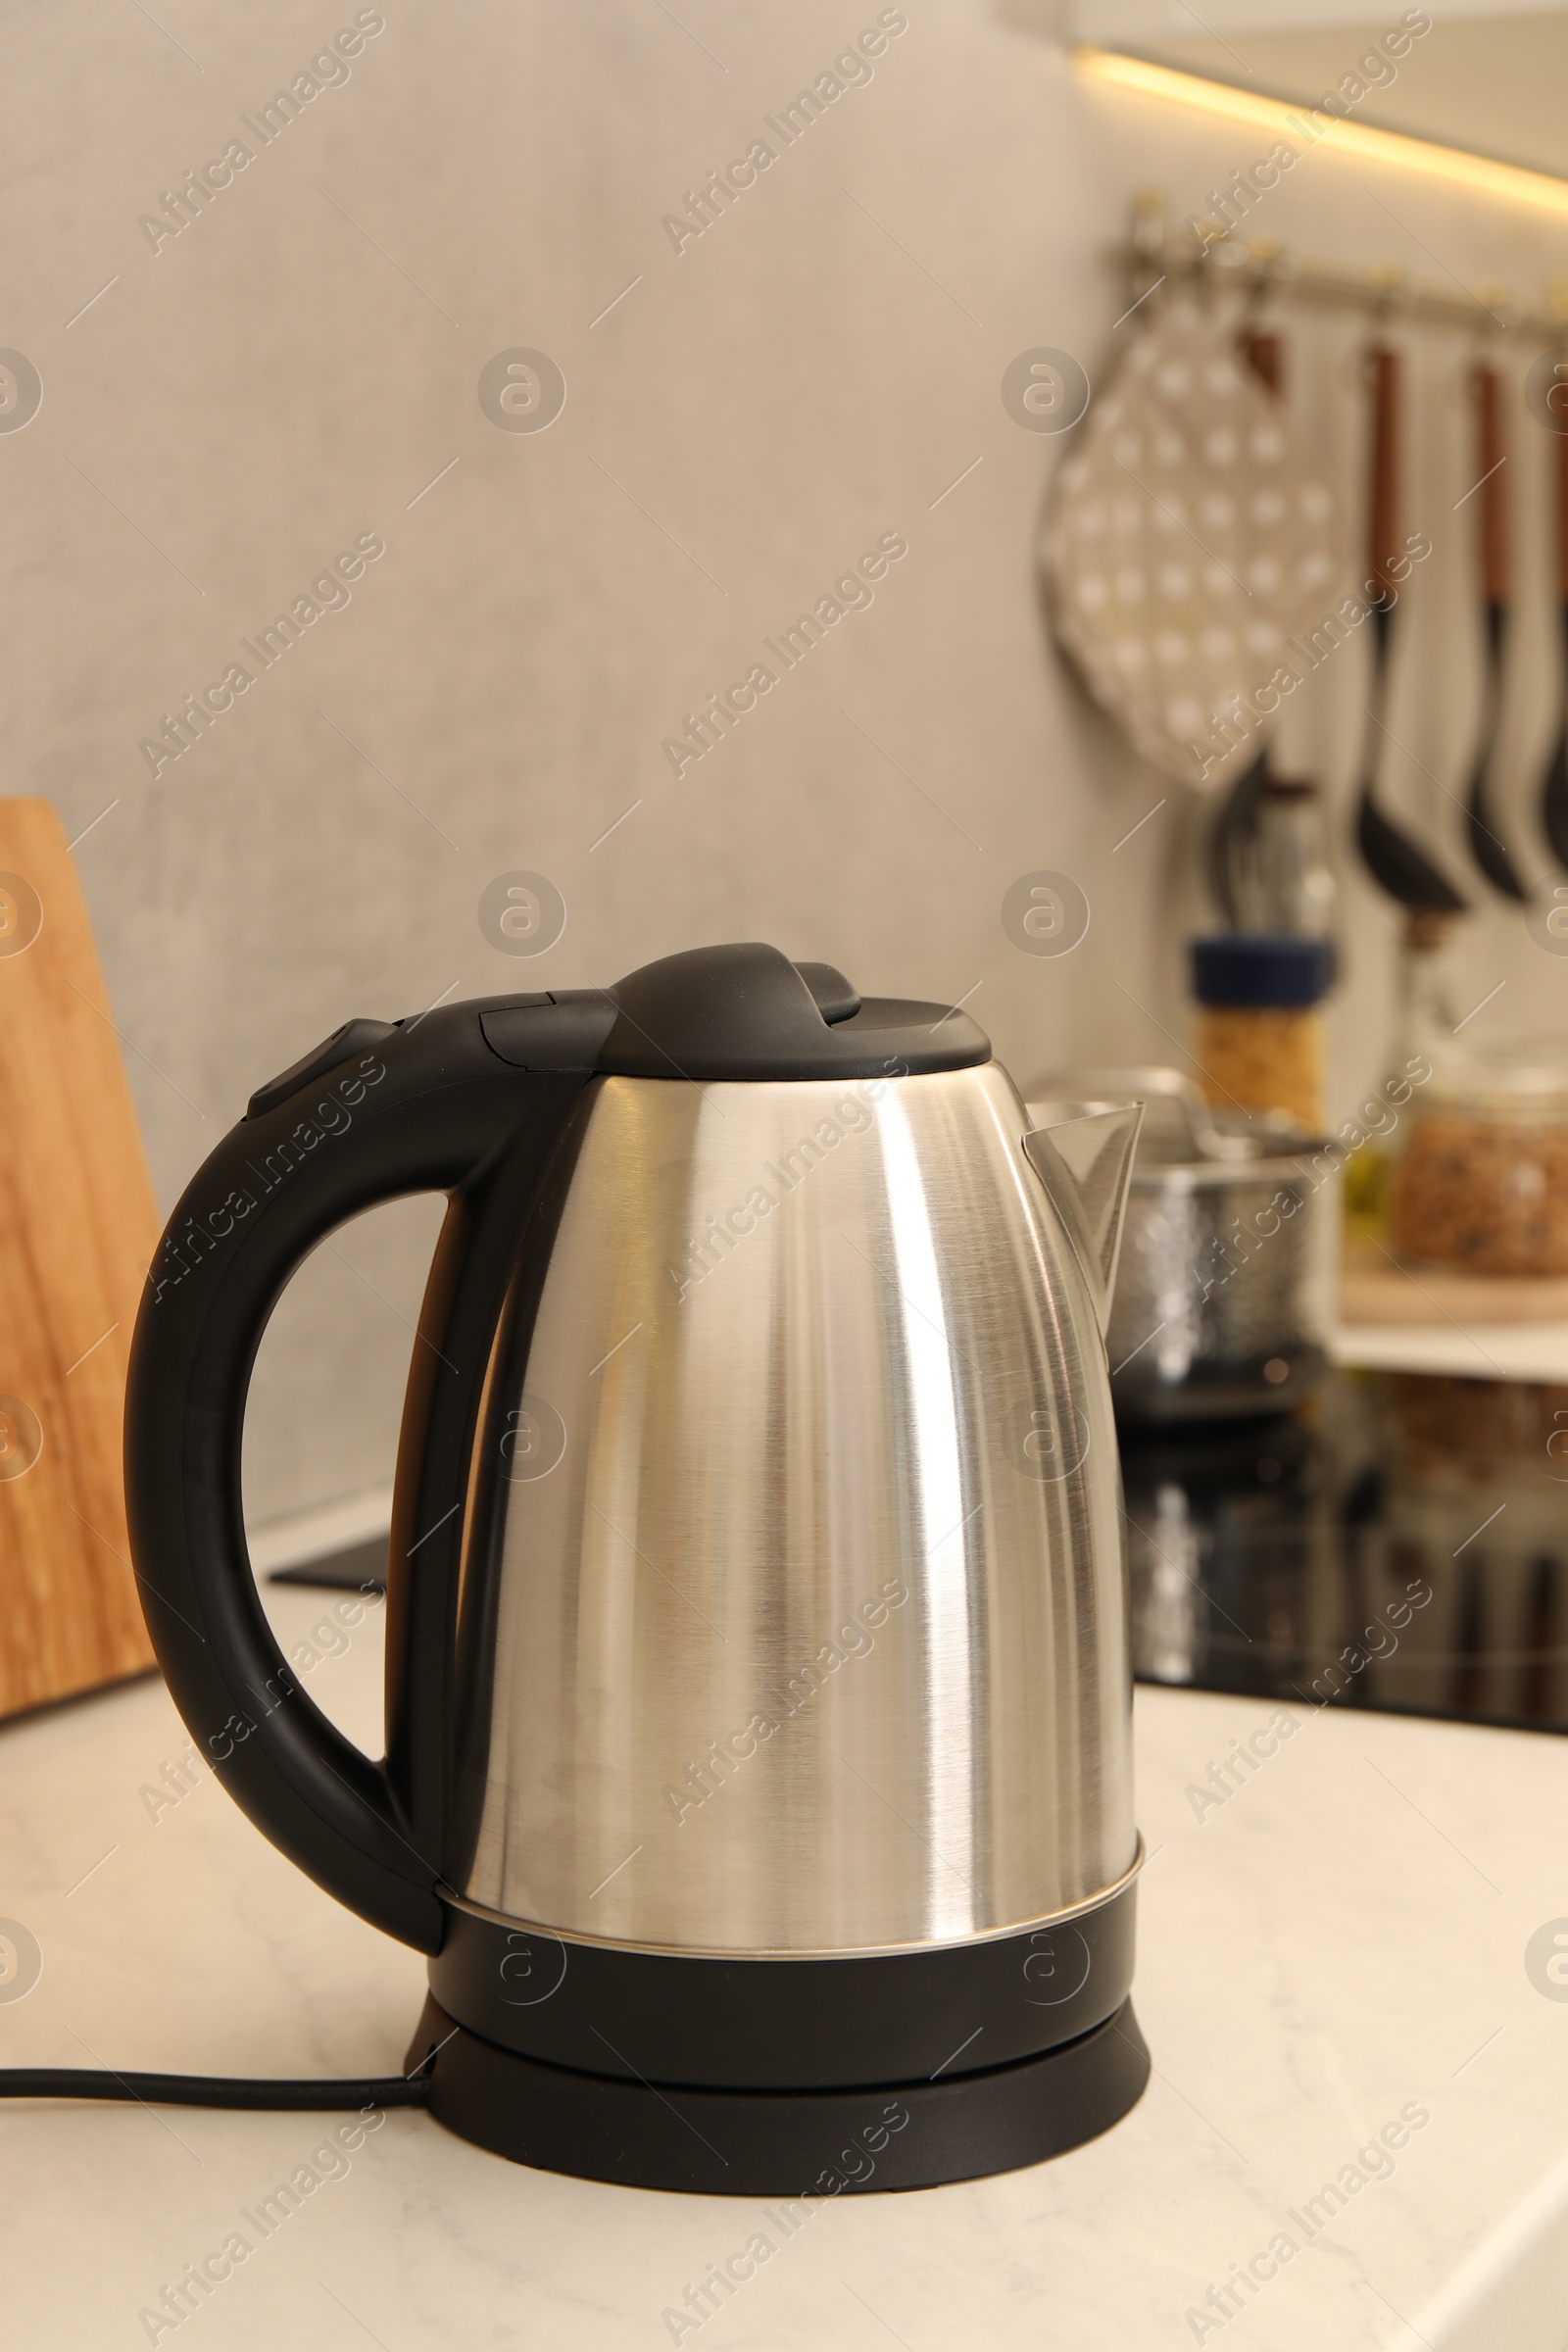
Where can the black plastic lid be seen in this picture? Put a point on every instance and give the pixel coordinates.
(735, 1013)
(1262, 969)
(745, 1011)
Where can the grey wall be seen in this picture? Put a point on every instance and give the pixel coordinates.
(293, 370)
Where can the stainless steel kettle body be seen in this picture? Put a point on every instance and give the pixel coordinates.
(793, 1615)
(759, 1686)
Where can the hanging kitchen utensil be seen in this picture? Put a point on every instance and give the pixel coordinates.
(1554, 789)
(1235, 829)
(1268, 816)
(1486, 844)
(1189, 539)
(1282, 880)
(1393, 859)
(1236, 826)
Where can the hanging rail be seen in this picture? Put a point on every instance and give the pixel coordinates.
(1263, 268)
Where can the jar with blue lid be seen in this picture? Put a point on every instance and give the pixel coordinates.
(1259, 1034)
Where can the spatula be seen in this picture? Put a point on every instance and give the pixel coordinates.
(1486, 844)
(1394, 861)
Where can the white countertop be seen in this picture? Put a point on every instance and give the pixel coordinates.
(1343, 1939)
(1470, 1350)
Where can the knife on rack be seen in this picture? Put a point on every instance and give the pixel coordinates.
(1394, 861)
(1486, 844)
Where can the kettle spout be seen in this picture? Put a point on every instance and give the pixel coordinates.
(1083, 1154)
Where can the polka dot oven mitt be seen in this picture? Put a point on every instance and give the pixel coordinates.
(1188, 538)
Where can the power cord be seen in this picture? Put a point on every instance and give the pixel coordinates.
(212, 2090)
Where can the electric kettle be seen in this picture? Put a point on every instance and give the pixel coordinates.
(758, 1688)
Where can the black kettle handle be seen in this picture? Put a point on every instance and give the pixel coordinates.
(378, 1112)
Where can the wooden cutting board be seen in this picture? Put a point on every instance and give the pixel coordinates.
(77, 1229)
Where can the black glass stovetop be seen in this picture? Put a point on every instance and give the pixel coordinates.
(1399, 1542)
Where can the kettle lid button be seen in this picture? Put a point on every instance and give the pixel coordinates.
(837, 998)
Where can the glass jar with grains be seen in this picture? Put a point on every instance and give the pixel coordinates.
(1258, 1043)
(1483, 1179)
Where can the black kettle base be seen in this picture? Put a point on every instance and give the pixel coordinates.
(793, 2144)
